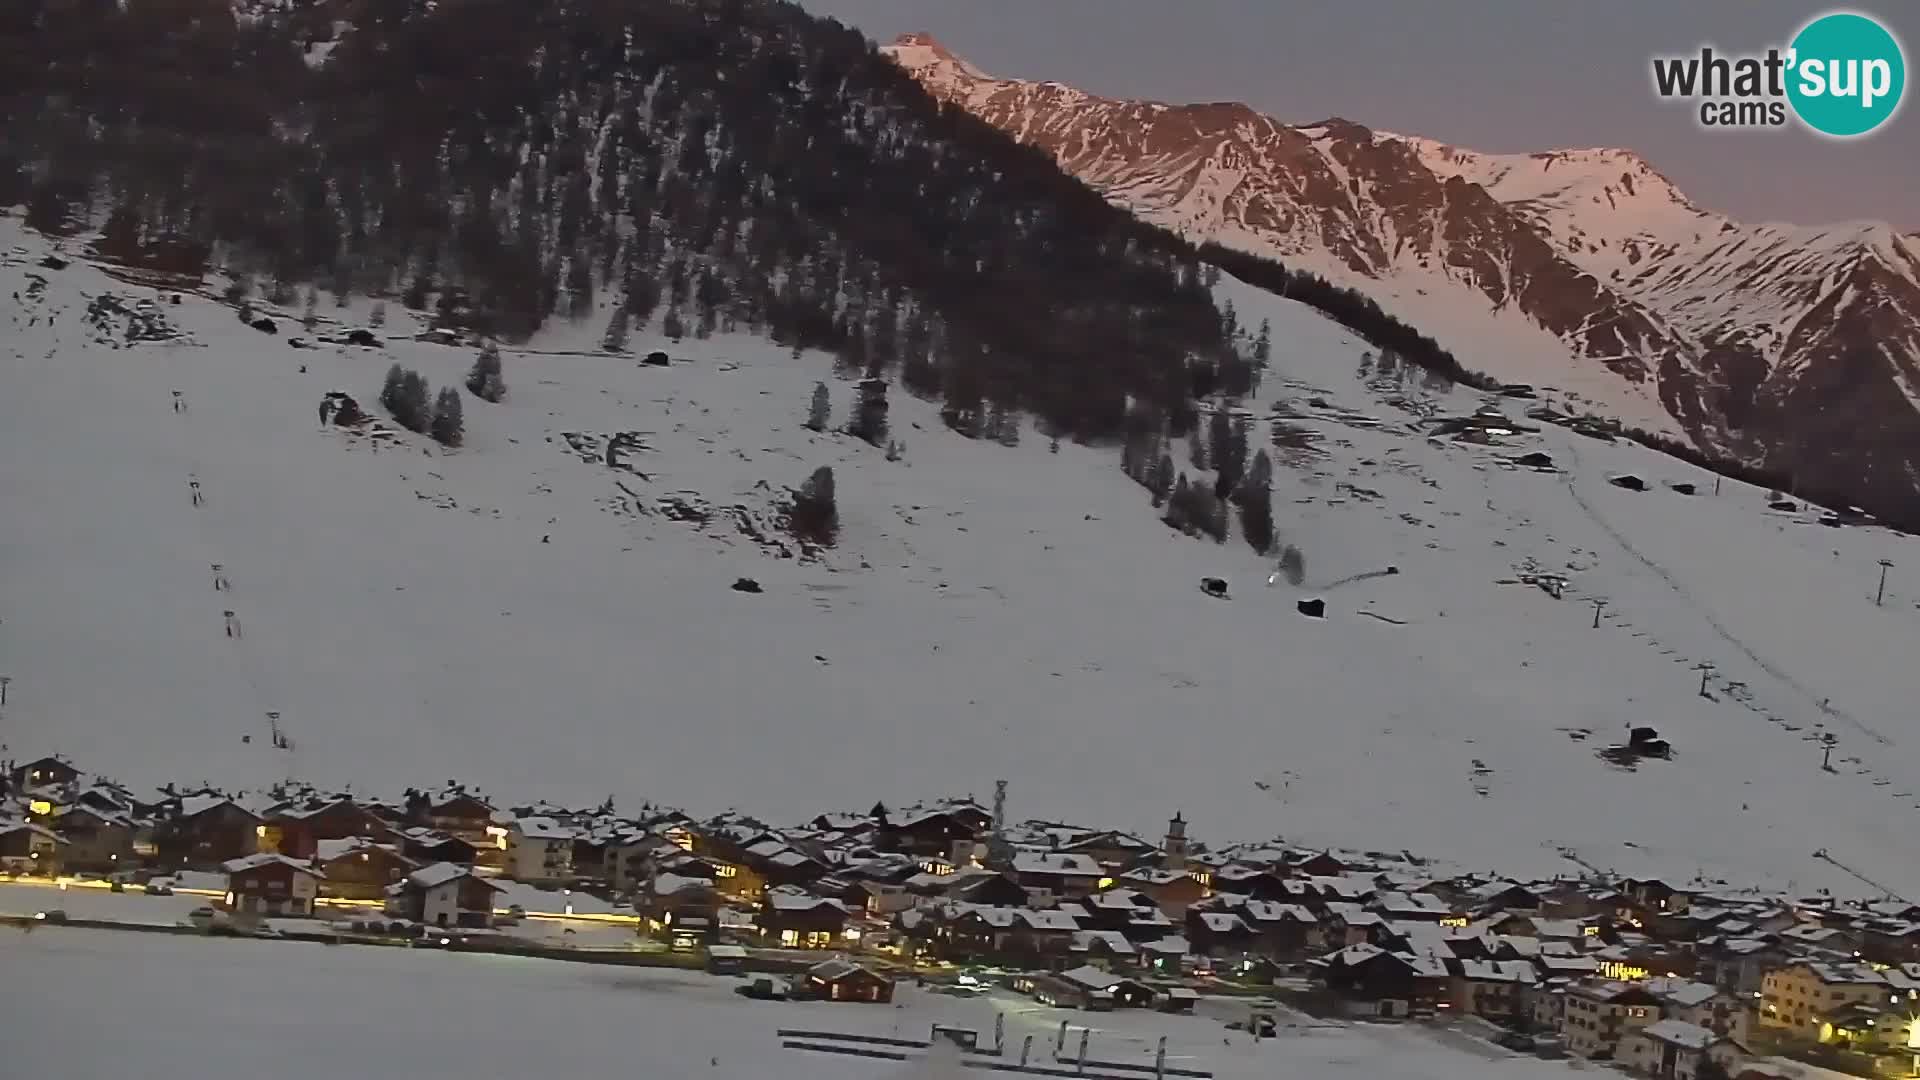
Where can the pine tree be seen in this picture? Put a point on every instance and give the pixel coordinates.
(820, 411)
(615, 339)
(1179, 504)
(448, 427)
(869, 420)
(814, 515)
(1162, 485)
(415, 413)
(483, 379)
(1227, 449)
(1256, 503)
(390, 391)
(1263, 345)
(1293, 565)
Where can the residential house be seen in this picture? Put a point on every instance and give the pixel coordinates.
(1218, 934)
(1502, 896)
(297, 830)
(1600, 1014)
(205, 831)
(1395, 984)
(1413, 907)
(1739, 965)
(1116, 852)
(26, 848)
(681, 908)
(934, 830)
(1703, 1005)
(46, 772)
(1797, 999)
(457, 813)
(539, 849)
(798, 920)
(96, 840)
(1106, 949)
(843, 980)
(445, 895)
(424, 845)
(1281, 931)
(1495, 989)
(1173, 890)
(360, 868)
(1652, 895)
(1674, 1049)
(988, 887)
(271, 884)
(1057, 873)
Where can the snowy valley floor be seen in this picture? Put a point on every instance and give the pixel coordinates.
(522, 616)
(86, 1004)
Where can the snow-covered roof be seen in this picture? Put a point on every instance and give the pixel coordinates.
(1515, 971)
(1680, 1033)
(1684, 993)
(1092, 978)
(440, 873)
(267, 858)
(783, 900)
(1048, 920)
(542, 828)
(1060, 863)
(1114, 940)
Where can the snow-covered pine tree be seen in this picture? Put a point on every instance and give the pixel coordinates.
(449, 427)
(815, 515)
(820, 409)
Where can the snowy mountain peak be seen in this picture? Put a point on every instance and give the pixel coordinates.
(1585, 269)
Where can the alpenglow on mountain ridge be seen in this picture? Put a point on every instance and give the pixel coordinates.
(1794, 348)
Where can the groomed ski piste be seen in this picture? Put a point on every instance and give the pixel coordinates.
(522, 616)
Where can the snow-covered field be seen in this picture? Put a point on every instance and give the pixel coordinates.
(87, 1003)
(519, 615)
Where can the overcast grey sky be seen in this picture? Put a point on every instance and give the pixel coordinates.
(1521, 75)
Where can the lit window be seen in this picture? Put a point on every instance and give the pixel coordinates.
(789, 938)
(727, 871)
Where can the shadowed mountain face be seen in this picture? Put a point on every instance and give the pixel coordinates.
(1792, 347)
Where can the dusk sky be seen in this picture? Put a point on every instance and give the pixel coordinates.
(1504, 77)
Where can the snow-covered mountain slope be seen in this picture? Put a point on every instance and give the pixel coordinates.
(520, 615)
(1789, 346)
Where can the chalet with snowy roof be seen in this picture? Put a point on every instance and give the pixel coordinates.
(1704, 1006)
(1057, 873)
(1251, 881)
(670, 904)
(424, 845)
(800, 920)
(1412, 907)
(1502, 896)
(1109, 950)
(444, 895)
(296, 830)
(97, 841)
(1087, 988)
(458, 813)
(1344, 924)
(360, 868)
(46, 772)
(1653, 895)
(844, 980)
(26, 848)
(1600, 1014)
(1386, 983)
(271, 884)
(204, 831)
(1495, 989)
(987, 887)
(1890, 941)
(1173, 891)
(938, 829)
(540, 849)
(1114, 851)
(1672, 1049)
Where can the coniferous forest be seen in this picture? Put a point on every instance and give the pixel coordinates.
(706, 165)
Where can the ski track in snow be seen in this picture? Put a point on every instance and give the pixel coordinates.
(522, 616)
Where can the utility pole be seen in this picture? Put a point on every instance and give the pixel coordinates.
(1716, 483)
(4, 680)
(1885, 565)
(1597, 605)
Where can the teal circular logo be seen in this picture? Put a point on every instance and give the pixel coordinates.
(1847, 75)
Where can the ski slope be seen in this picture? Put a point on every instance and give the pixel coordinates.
(518, 615)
